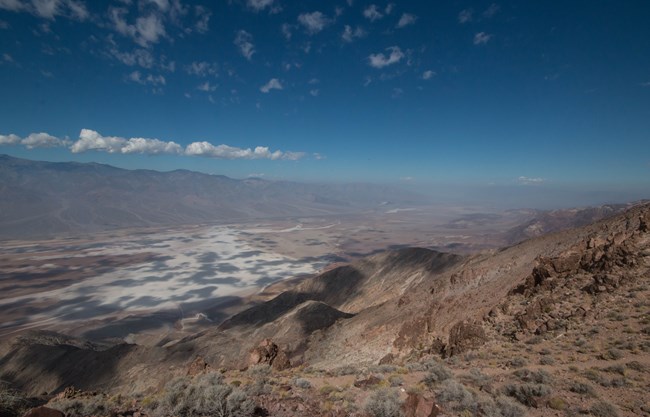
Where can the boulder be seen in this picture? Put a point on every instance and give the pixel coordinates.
(417, 405)
(198, 366)
(465, 336)
(269, 353)
(44, 412)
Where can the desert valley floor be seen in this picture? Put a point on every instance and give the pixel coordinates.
(155, 280)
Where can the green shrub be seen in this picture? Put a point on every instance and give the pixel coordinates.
(582, 388)
(539, 377)
(208, 394)
(526, 393)
(603, 409)
(384, 403)
(436, 375)
(301, 383)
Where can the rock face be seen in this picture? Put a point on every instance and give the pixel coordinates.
(465, 336)
(417, 405)
(44, 412)
(269, 353)
(198, 366)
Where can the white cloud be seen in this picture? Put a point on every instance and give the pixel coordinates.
(427, 75)
(259, 5)
(13, 5)
(491, 11)
(314, 92)
(350, 34)
(286, 31)
(147, 30)
(530, 181)
(203, 19)
(3, 24)
(34, 140)
(231, 152)
(150, 147)
(162, 4)
(389, 8)
(645, 84)
(482, 38)
(314, 22)
(372, 12)
(139, 57)
(202, 69)
(465, 16)
(48, 9)
(155, 80)
(380, 60)
(207, 87)
(273, 84)
(244, 41)
(10, 139)
(406, 19)
(78, 10)
(43, 140)
(90, 140)
(8, 58)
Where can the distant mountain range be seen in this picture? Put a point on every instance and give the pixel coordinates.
(42, 199)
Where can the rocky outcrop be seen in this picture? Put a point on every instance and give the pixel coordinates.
(464, 336)
(44, 412)
(417, 405)
(270, 354)
(198, 366)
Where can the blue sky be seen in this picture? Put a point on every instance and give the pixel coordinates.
(485, 93)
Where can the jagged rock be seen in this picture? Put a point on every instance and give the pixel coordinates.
(417, 405)
(465, 336)
(528, 319)
(44, 412)
(198, 366)
(387, 359)
(269, 353)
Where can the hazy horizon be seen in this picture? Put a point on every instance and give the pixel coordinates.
(475, 94)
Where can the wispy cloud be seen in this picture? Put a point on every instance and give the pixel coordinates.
(90, 140)
(259, 5)
(529, 181)
(427, 75)
(482, 38)
(372, 13)
(244, 41)
(203, 16)
(202, 68)
(48, 9)
(349, 34)
(273, 84)
(381, 60)
(150, 79)
(313, 22)
(491, 11)
(206, 87)
(140, 57)
(465, 16)
(145, 31)
(406, 19)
